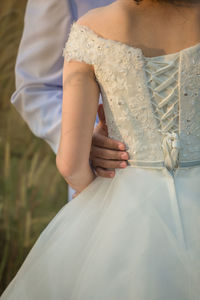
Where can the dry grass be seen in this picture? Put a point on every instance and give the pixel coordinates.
(31, 190)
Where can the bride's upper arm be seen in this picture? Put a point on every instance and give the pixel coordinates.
(75, 72)
(79, 109)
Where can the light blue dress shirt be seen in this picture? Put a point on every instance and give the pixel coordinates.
(38, 70)
(38, 95)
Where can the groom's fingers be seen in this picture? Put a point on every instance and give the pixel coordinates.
(98, 152)
(105, 142)
(108, 164)
(104, 173)
(106, 154)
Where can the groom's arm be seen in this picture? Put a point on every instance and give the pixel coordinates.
(38, 96)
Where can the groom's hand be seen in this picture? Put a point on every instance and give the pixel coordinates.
(106, 154)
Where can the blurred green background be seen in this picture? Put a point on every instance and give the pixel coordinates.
(31, 190)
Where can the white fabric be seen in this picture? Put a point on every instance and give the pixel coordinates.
(38, 71)
(135, 236)
(134, 115)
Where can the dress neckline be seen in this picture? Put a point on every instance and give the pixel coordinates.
(135, 48)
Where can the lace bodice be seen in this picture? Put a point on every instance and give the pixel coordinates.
(151, 104)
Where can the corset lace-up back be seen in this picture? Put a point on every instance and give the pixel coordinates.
(162, 81)
(151, 104)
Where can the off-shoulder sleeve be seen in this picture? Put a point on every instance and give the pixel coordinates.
(81, 45)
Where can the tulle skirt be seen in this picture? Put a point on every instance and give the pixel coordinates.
(133, 237)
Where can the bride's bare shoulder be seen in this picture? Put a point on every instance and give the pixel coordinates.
(103, 19)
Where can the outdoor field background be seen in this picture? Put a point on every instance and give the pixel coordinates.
(31, 190)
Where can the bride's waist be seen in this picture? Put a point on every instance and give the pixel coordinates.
(162, 164)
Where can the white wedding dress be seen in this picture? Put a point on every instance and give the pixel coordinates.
(136, 236)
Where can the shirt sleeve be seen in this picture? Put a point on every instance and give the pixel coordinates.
(38, 70)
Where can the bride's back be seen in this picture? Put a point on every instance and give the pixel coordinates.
(157, 28)
(146, 100)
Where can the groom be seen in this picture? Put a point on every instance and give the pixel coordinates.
(38, 95)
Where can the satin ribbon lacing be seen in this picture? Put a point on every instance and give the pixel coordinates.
(162, 78)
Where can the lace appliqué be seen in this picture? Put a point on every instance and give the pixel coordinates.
(152, 105)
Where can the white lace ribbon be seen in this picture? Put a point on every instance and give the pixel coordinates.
(171, 146)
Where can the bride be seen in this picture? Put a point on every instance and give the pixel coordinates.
(137, 235)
